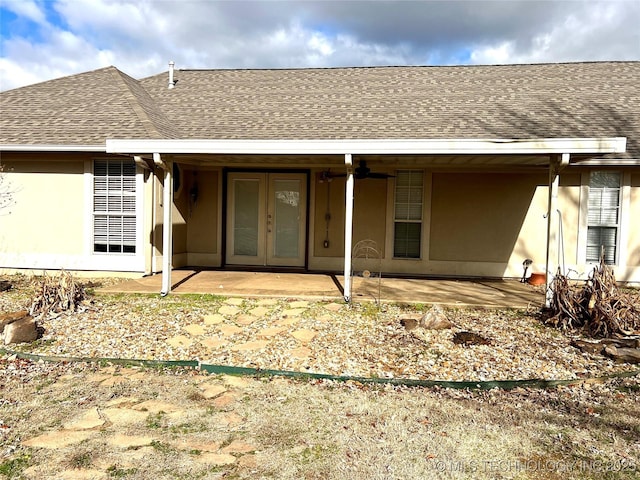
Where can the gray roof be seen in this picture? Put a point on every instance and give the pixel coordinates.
(83, 109)
(595, 99)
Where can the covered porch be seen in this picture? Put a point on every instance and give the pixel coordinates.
(452, 292)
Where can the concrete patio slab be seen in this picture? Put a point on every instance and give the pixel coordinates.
(476, 292)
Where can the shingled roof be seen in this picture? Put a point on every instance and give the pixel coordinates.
(596, 99)
(83, 109)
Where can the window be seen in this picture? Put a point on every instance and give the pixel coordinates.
(408, 214)
(603, 216)
(114, 206)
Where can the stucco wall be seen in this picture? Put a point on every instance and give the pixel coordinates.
(633, 246)
(203, 213)
(47, 216)
(487, 217)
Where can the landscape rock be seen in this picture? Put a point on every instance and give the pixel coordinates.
(469, 338)
(435, 319)
(409, 323)
(10, 317)
(628, 355)
(23, 330)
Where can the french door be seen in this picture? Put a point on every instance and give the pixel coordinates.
(266, 220)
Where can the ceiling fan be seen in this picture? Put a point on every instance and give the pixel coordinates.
(360, 173)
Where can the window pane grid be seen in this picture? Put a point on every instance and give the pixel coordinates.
(603, 216)
(114, 206)
(408, 214)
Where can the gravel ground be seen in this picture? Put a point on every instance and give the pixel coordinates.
(361, 339)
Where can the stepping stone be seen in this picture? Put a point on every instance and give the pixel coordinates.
(229, 310)
(293, 312)
(58, 439)
(214, 342)
(156, 406)
(213, 319)
(259, 311)
(225, 400)
(134, 455)
(81, 474)
(299, 304)
(230, 419)
(122, 401)
(217, 459)
(268, 302)
(253, 345)
(271, 331)
(325, 318)
(238, 446)
(124, 416)
(87, 421)
(97, 377)
(129, 441)
(194, 329)
(180, 341)
(248, 461)
(333, 307)
(228, 330)
(212, 391)
(246, 319)
(194, 445)
(287, 321)
(111, 381)
(304, 335)
(233, 381)
(300, 352)
(234, 301)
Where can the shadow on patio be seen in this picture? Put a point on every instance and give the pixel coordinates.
(476, 292)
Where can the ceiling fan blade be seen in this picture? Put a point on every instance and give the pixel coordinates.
(380, 175)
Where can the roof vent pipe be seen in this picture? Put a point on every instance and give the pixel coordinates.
(172, 82)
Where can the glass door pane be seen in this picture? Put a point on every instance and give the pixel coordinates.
(245, 217)
(286, 218)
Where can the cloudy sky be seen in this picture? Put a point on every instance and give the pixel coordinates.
(44, 39)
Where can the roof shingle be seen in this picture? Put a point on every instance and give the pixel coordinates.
(597, 99)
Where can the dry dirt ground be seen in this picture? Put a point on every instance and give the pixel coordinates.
(100, 421)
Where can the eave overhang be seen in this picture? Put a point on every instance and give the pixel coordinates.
(52, 148)
(543, 146)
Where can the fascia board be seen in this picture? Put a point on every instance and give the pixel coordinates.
(604, 162)
(371, 147)
(52, 148)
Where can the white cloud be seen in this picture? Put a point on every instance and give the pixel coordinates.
(140, 37)
(28, 9)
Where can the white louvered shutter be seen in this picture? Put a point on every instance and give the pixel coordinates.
(114, 206)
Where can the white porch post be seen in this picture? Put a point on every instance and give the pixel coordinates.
(556, 164)
(348, 227)
(167, 222)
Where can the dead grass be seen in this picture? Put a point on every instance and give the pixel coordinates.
(314, 429)
(327, 430)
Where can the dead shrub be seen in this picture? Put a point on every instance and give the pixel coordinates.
(598, 308)
(57, 294)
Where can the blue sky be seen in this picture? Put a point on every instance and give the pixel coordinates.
(45, 39)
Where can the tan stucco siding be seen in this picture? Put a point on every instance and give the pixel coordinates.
(569, 206)
(47, 216)
(633, 246)
(203, 212)
(331, 229)
(369, 214)
(487, 217)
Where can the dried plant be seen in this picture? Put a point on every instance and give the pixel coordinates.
(57, 294)
(599, 307)
(6, 191)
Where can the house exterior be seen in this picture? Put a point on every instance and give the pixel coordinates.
(452, 171)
